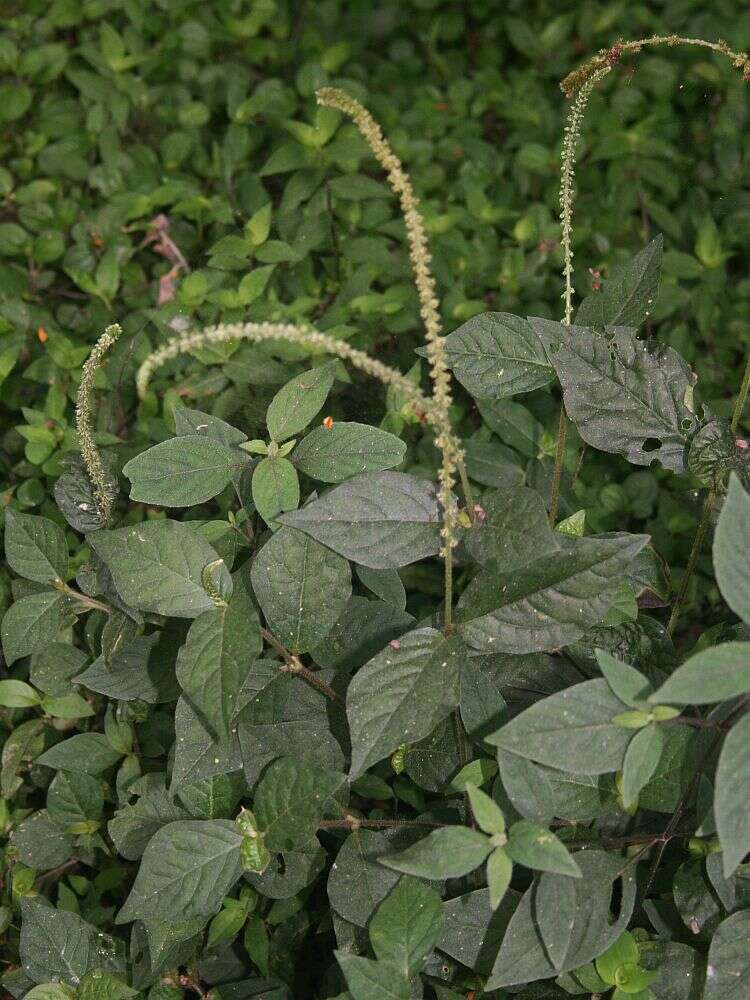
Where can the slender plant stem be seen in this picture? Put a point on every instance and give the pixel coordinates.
(562, 434)
(88, 602)
(293, 665)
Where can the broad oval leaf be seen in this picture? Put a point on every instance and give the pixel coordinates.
(714, 674)
(301, 586)
(733, 794)
(571, 730)
(290, 801)
(407, 925)
(186, 870)
(624, 395)
(551, 600)
(733, 537)
(495, 355)
(158, 566)
(382, 520)
(347, 449)
(35, 547)
(183, 471)
(401, 695)
(31, 624)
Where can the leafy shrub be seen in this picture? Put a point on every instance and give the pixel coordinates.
(257, 748)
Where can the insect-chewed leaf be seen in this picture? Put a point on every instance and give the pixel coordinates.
(383, 520)
(401, 695)
(334, 454)
(624, 395)
(183, 471)
(158, 565)
(550, 600)
(627, 297)
(495, 355)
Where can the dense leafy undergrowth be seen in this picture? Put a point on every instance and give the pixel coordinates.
(325, 677)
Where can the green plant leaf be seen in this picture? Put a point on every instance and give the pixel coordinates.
(571, 730)
(495, 355)
(296, 403)
(35, 547)
(100, 985)
(733, 536)
(732, 790)
(158, 566)
(186, 870)
(382, 520)
(87, 752)
(554, 906)
(448, 852)
(548, 602)
(385, 584)
(31, 624)
(275, 488)
(499, 874)
(290, 801)
(486, 811)
(641, 761)
(347, 449)
(358, 882)
(183, 471)
(621, 952)
(212, 664)
(401, 695)
(728, 970)
(301, 586)
(195, 422)
(538, 848)
(368, 980)
(624, 395)
(627, 683)
(406, 926)
(714, 674)
(18, 694)
(627, 297)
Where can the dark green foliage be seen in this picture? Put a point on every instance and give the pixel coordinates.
(244, 755)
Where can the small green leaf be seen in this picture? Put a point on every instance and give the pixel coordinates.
(627, 297)
(641, 760)
(406, 926)
(477, 772)
(346, 449)
(18, 694)
(486, 811)
(627, 683)
(623, 951)
(275, 488)
(296, 403)
(538, 848)
(35, 547)
(499, 874)
(291, 800)
(31, 624)
(449, 852)
(714, 674)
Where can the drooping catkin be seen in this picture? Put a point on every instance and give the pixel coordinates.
(419, 253)
(104, 489)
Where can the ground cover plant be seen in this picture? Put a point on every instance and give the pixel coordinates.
(376, 619)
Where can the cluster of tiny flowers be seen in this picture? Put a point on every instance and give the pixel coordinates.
(419, 253)
(103, 487)
(567, 175)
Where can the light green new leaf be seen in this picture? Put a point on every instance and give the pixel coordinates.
(486, 811)
(714, 674)
(624, 395)
(538, 848)
(401, 695)
(297, 402)
(383, 520)
(186, 870)
(733, 795)
(35, 547)
(627, 297)
(728, 970)
(51, 991)
(213, 662)
(17, 694)
(275, 488)
(551, 600)
(183, 471)
(290, 801)
(407, 925)
(571, 730)
(158, 566)
(499, 873)
(31, 624)
(641, 760)
(495, 355)
(100, 985)
(334, 454)
(733, 537)
(627, 683)
(449, 852)
(301, 586)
